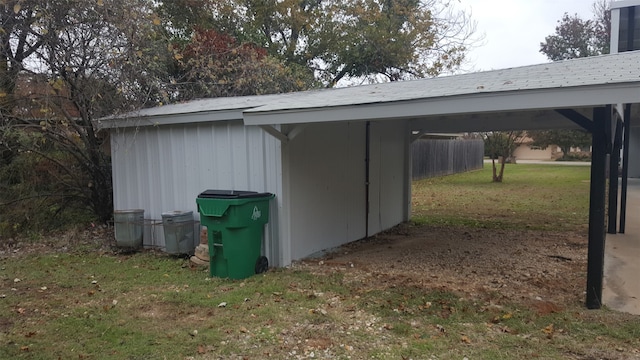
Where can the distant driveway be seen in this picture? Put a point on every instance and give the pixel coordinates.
(549, 162)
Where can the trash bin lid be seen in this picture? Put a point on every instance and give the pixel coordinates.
(129, 211)
(231, 194)
(177, 213)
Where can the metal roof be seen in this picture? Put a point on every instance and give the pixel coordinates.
(469, 102)
(599, 70)
(577, 83)
(201, 110)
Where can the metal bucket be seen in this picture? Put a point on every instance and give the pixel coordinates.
(178, 232)
(128, 226)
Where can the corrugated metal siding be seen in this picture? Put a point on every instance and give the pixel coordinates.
(164, 168)
(387, 176)
(327, 197)
(327, 184)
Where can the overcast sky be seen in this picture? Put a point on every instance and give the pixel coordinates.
(514, 29)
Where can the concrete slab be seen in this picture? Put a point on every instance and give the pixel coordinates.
(621, 288)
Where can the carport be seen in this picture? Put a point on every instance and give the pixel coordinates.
(339, 160)
(570, 94)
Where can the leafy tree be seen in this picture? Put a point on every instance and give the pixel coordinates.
(500, 145)
(87, 59)
(565, 139)
(602, 25)
(212, 64)
(339, 39)
(68, 63)
(17, 43)
(575, 37)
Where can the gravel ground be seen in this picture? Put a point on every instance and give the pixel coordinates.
(546, 269)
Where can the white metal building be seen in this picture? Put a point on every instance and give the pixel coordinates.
(625, 36)
(338, 160)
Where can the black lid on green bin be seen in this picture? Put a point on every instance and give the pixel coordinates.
(231, 194)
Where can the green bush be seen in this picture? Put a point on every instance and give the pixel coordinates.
(33, 196)
(576, 156)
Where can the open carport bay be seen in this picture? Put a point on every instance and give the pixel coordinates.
(521, 241)
(541, 268)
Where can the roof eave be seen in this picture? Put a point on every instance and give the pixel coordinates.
(550, 98)
(170, 119)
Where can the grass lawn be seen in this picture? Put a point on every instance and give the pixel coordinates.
(545, 197)
(91, 304)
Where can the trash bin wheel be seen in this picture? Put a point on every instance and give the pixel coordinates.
(262, 264)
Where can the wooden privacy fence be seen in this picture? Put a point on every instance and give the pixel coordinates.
(437, 157)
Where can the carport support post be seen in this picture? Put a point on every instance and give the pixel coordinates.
(595, 257)
(614, 159)
(625, 168)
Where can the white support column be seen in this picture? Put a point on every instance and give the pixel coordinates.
(634, 151)
(407, 172)
(615, 30)
(284, 209)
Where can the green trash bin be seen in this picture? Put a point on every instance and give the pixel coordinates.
(235, 222)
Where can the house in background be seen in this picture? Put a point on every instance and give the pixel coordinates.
(527, 151)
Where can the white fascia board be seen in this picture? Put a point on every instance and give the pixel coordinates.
(555, 98)
(157, 120)
(625, 3)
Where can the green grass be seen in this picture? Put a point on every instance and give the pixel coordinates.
(147, 305)
(542, 197)
(140, 306)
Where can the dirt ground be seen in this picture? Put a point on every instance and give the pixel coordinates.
(545, 269)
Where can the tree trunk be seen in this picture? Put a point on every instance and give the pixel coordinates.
(497, 177)
(8, 78)
(493, 163)
(501, 169)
